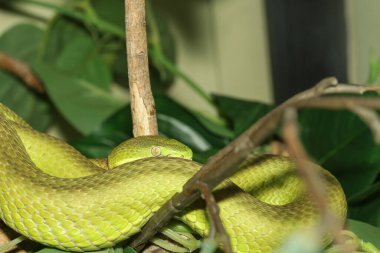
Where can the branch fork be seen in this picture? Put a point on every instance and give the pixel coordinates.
(226, 161)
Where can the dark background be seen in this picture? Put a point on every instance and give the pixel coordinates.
(307, 41)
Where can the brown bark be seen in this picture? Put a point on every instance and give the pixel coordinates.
(142, 102)
(226, 161)
(22, 71)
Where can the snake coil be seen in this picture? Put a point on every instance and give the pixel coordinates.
(54, 195)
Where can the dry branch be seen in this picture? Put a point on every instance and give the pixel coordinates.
(22, 71)
(217, 230)
(142, 102)
(329, 223)
(306, 169)
(371, 118)
(226, 161)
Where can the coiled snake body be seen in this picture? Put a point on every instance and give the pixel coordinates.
(52, 194)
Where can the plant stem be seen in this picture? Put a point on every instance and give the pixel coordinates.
(197, 88)
(118, 32)
(159, 55)
(12, 243)
(101, 24)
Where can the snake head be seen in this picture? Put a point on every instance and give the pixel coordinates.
(147, 146)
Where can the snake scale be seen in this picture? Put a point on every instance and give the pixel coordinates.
(54, 195)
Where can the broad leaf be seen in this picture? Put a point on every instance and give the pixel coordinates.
(367, 211)
(22, 42)
(374, 70)
(84, 105)
(177, 122)
(214, 124)
(113, 13)
(365, 231)
(174, 121)
(60, 33)
(51, 250)
(80, 58)
(240, 113)
(129, 250)
(104, 138)
(343, 144)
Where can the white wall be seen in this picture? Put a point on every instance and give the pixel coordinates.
(222, 45)
(363, 22)
(8, 19)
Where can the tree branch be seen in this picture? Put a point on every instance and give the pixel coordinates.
(22, 71)
(217, 230)
(226, 161)
(142, 103)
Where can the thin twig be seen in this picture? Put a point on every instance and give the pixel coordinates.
(351, 88)
(142, 102)
(338, 103)
(226, 161)
(22, 71)
(217, 230)
(371, 119)
(154, 249)
(305, 167)
(329, 223)
(223, 164)
(12, 245)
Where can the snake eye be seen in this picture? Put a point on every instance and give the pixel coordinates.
(156, 151)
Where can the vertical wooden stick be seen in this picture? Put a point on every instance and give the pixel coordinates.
(142, 102)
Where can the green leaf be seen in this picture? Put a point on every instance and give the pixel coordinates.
(21, 42)
(240, 113)
(108, 250)
(368, 211)
(81, 103)
(341, 143)
(372, 191)
(51, 250)
(71, 48)
(214, 124)
(129, 250)
(31, 107)
(80, 58)
(9, 245)
(114, 130)
(365, 231)
(112, 12)
(161, 46)
(60, 33)
(174, 121)
(374, 69)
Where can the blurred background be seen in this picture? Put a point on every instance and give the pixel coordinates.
(261, 50)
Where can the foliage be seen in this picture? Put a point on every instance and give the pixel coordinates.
(80, 57)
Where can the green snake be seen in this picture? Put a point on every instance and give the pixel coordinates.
(54, 195)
